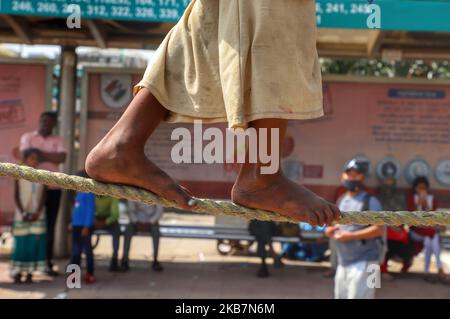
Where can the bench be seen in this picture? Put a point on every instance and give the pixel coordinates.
(224, 234)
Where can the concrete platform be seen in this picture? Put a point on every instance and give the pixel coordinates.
(194, 269)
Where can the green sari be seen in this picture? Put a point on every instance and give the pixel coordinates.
(30, 244)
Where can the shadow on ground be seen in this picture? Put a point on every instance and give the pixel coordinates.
(208, 280)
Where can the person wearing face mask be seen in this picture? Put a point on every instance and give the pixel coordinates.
(358, 247)
(398, 243)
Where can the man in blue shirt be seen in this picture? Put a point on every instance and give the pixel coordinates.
(359, 248)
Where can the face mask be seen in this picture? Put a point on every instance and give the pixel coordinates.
(352, 186)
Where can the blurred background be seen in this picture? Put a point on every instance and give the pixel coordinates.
(386, 84)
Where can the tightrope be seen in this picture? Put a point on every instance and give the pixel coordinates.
(214, 207)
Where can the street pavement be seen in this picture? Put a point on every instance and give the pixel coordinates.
(194, 269)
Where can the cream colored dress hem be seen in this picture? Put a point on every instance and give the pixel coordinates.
(237, 61)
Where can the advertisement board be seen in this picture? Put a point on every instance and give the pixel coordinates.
(24, 94)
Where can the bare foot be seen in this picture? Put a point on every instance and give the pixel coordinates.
(112, 163)
(284, 197)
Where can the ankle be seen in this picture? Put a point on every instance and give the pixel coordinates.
(253, 181)
(127, 144)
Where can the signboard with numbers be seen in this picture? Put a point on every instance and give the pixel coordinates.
(405, 15)
(135, 10)
(412, 15)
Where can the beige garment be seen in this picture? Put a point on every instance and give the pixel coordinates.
(237, 61)
(30, 195)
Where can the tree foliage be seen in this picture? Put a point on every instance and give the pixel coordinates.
(372, 67)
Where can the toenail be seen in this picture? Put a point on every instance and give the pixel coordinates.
(192, 202)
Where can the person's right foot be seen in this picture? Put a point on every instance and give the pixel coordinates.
(89, 279)
(51, 272)
(278, 263)
(18, 279)
(29, 279)
(442, 277)
(113, 266)
(124, 266)
(430, 278)
(156, 266)
(280, 195)
(387, 276)
(329, 273)
(263, 271)
(121, 163)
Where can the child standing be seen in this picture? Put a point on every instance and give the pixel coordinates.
(359, 248)
(82, 226)
(29, 230)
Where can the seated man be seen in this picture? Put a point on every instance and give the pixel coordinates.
(107, 217)
(142, 216)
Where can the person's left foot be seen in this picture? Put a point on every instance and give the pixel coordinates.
(156, 266)
(51, 272)
(387, 276)
(406, 266)
(329, 273)
(278, 263)
(430, 279)
(263, 271)
(89, 279)
(18, 278)
(443, 278)
(29, 279)
(124, 266)
(113, 266)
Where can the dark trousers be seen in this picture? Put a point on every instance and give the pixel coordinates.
(51, 213)
(401, 250)
(114, 230)
(263, 232)
(156, 235)
(82, 244)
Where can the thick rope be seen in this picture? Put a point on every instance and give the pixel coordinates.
(214, 207)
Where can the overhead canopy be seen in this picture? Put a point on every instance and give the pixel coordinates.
(406, 15)
(411, 28)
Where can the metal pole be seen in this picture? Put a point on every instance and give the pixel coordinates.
(67, 131)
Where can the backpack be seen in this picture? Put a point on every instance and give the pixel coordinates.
(382, 240)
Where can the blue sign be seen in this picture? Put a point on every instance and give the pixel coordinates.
(417, 94)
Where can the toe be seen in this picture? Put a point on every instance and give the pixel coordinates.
(314, 218)
(179, 196)
(336, 212)
(323, 216)
(186, 190)
(329, 214)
